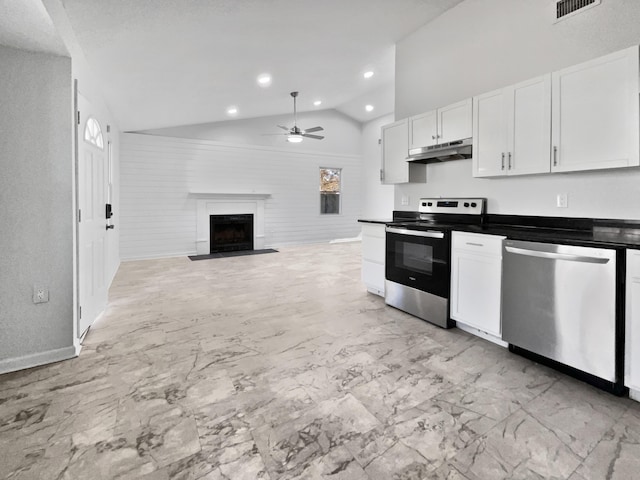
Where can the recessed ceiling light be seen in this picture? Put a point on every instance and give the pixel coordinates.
(368, 74)
(369, 108)
(317, 103)
(264, 79)
(233, 110)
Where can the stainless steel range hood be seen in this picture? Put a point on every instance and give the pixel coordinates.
(443, 152)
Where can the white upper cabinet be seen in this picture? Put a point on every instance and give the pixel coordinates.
(395, 142)
(395, 147)
(490, 134)
(595, 114)
(453, 122)
(423, 130)
(512, 129)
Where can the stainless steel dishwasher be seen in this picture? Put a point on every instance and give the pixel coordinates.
(559, 302)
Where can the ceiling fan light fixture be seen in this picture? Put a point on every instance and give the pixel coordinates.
(294, 138)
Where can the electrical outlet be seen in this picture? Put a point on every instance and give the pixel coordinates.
(405, 199)
(40, 294)
(562, 200)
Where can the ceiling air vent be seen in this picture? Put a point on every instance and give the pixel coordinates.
(567, 8)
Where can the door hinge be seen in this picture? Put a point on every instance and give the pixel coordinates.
(381, 174)
(78, 119)
(379, 141)
(79, 311)
(79, 215)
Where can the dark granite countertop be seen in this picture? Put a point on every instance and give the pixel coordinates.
(589, 232)
(374, 220)
(589, 238)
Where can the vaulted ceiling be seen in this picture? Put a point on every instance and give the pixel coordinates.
(166, 63)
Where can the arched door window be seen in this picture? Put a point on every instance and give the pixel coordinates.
(93, 133)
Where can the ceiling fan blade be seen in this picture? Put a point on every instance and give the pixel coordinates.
(317, 137)
(267, 134)
(313, 129)
(283, 127)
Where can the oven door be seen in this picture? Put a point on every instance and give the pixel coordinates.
(418, 259)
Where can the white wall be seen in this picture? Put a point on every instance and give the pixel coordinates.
(157, 174)
(36, 214)
(342, 133)
(481, 45)
(377, 199)
(91, 87)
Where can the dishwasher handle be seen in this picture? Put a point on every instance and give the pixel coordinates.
(556, 256)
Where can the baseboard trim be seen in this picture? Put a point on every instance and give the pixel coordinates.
(36, 359)
(634, 394)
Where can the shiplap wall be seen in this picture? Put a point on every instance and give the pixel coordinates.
(158, 215)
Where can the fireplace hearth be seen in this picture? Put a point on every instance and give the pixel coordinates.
(230, 233)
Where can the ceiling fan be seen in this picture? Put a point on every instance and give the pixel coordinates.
(296, 134)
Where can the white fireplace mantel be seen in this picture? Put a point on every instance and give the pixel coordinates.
(233, 195)
(228, 203)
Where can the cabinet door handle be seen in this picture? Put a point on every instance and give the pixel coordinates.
(473, 244)
(502, 160)
(555, 156)
(509, 160)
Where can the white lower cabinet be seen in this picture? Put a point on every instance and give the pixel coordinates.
(476, 281)
(632, 327)
(373, 250)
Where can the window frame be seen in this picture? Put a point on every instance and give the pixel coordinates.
(338, 193)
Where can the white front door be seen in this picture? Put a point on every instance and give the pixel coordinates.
(92, 198)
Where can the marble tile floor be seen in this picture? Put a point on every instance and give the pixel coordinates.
(282, 366)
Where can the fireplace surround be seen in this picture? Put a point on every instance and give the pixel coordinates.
(217, 203)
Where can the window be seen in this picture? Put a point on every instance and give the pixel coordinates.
(330, 190)
(93, 133)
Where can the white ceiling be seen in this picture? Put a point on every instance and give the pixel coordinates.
(25, 24)
(166, 63)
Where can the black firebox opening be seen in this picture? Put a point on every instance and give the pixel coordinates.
(231, 232)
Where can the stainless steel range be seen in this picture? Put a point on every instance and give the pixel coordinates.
(417, 266)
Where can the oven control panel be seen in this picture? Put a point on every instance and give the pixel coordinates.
(467, 206)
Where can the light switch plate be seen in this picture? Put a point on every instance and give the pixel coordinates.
(562, 200)
(405, 199)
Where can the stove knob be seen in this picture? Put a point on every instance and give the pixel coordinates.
(424, 204)
(430, 204)
(474, 204)
(466, 204)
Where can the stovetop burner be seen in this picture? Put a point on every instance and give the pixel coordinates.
(442, 214)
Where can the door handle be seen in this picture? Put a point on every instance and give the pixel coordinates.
(416, 233)
(110, 227)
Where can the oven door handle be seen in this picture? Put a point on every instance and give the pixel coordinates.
(415, 233)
